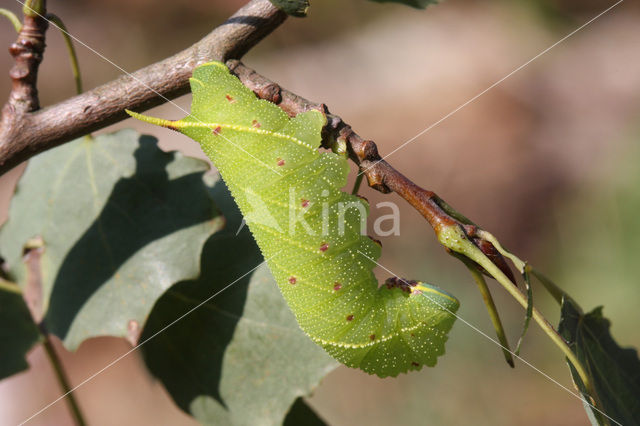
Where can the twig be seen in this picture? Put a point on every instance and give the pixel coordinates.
(12, 18)
(32, 296)
(23, 136)
(63, 380)
(75, 67)
(356, 184)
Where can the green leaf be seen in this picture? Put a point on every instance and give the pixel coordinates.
(120, 221)
(418, 4)
(322, 264)
(240, 358)
(614, 371)
(292, 7)
(18, 333)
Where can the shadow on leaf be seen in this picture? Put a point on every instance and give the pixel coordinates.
(140, 210)
(188, 357)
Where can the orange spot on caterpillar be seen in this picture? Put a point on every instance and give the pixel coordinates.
(324, 247)
(229, 98)
(217, 130)
(280, 161)
(372, 337)
(305, 203)
(415, 364)
(255, 124)
(349, 317)
(413, 335)
(337, 286)
(292, 280)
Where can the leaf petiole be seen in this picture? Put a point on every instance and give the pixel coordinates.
(357, 183)
(493, 312)
(525, 270)
(454, 238)
(75, 66)
(11, 17)
(63, 380)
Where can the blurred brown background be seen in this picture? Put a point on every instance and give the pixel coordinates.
(547, 161)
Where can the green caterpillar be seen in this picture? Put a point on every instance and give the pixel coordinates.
(309, 230)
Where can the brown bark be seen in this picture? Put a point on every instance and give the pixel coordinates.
(26, 131)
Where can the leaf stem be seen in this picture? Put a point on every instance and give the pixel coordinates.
(33, 8)
(493, 313)
(556, 292)
(54, 360)
(75, 66)
(527, 282)
(525, 270)
(455, 239)
(537, 316)
(61, 375)
(356, 184)
(11, 17)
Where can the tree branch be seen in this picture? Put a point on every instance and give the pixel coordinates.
(25, 135)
